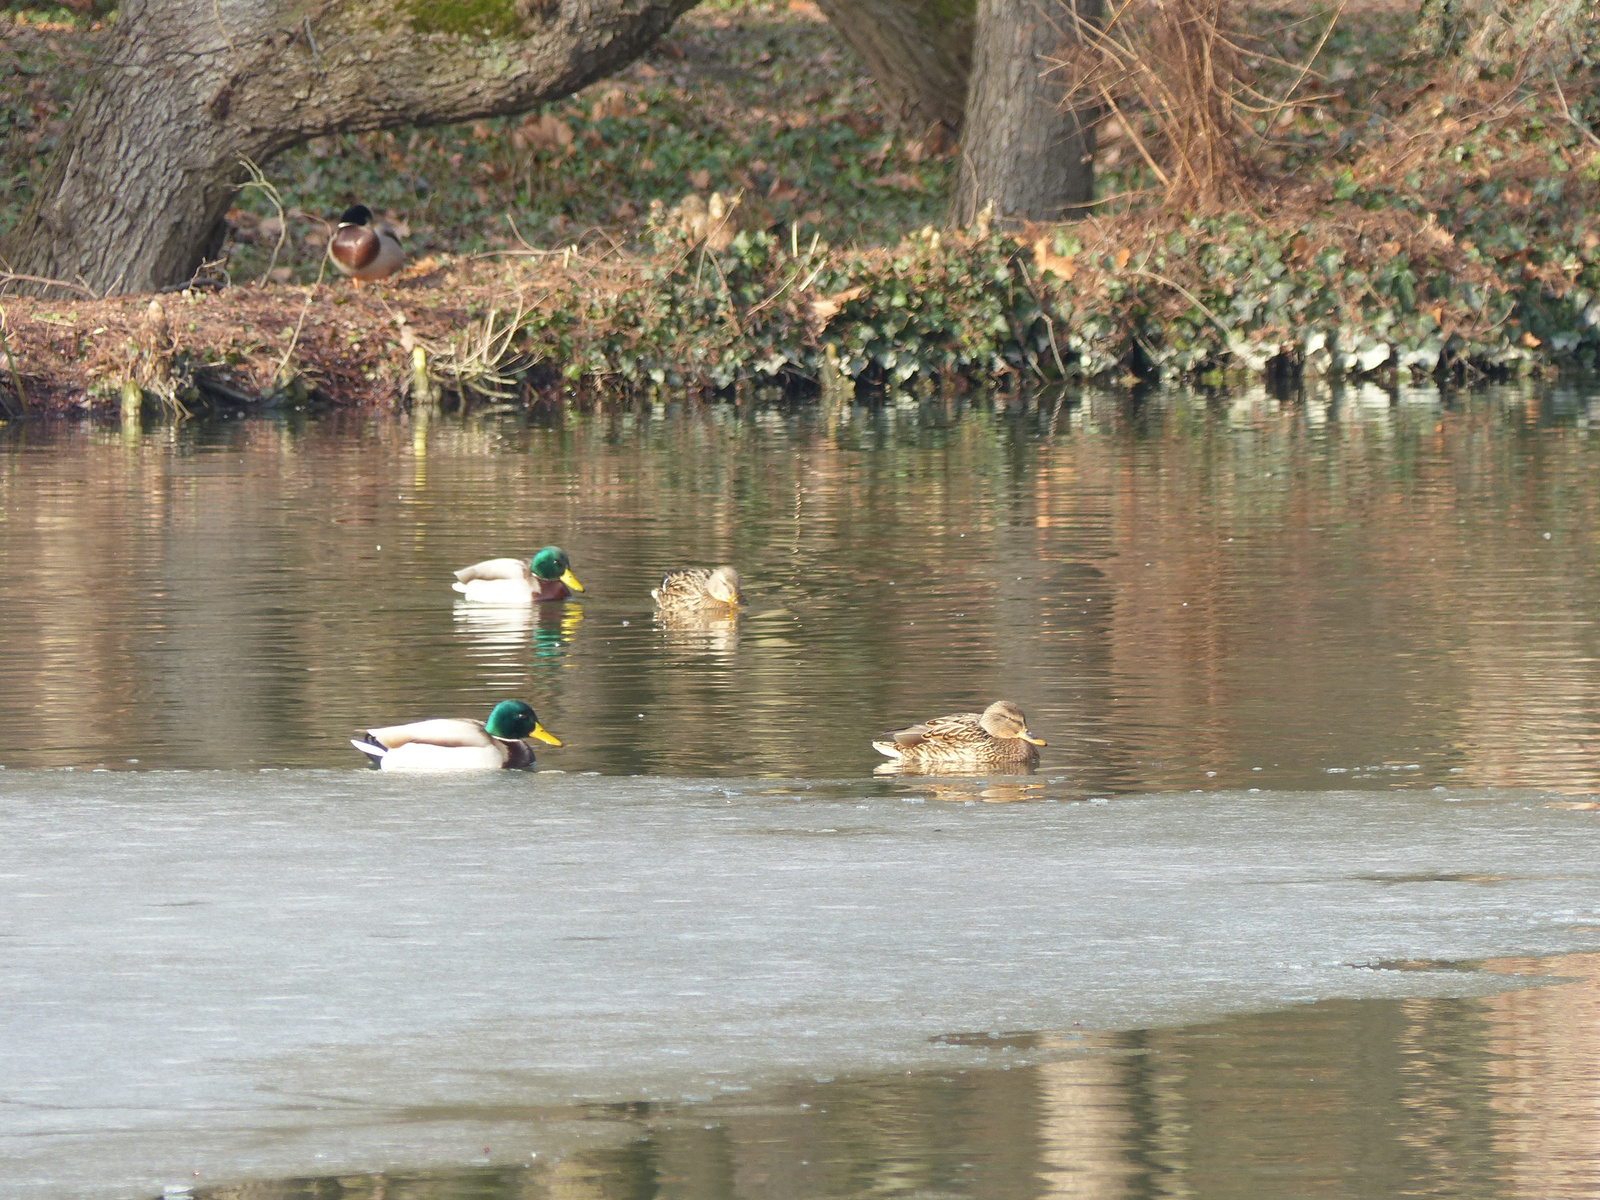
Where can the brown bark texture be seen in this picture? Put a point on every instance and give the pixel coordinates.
(190, 89)
(918, 51)
(1027, 146)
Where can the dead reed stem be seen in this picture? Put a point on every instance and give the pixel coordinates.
(1172, 73)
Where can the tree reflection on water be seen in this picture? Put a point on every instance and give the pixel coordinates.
(1359, 590)
(1496, 1097)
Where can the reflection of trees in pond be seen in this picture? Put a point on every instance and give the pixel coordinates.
(1544, 1064)
(1465, 1097)
(1166, 587)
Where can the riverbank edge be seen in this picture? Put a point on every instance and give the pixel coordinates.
(1386, 294)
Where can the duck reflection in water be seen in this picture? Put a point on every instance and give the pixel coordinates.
(968, 792)
(700, 631)
(498, 635)
(698, 610)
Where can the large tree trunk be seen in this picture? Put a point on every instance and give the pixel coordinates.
(1027, 147)
(919, 53)
(191, 88)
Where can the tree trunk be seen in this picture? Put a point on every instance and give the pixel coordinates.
(919, 53)
(1025, 148)
(191, 88)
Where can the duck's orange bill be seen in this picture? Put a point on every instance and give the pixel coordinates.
(571, 580)
(544, 735)
(1028, 737)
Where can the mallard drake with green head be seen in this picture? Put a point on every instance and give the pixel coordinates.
(451, 744)
(363, 248)
(998, 736)
(695, 589)
(548, 576)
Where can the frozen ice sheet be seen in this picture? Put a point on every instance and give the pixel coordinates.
(230, 975)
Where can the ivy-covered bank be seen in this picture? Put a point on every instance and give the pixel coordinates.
(1458, 237)
(719, 217)
(1174, 298)
(1382, 294)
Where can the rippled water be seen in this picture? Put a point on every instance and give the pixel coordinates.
(1180, 592)
(1496, 1097)
(1296, 608)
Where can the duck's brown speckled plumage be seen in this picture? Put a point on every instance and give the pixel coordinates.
(695, 589)
(998, 736)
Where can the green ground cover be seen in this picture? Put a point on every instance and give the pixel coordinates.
(1403, 218)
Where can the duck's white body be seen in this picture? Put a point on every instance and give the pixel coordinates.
(496, 581)
(370, 251)
(391, 255)
(418, 756)
(442, 744)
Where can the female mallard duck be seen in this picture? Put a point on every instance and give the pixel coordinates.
(511, 581)
(365, 248)
(996, 737)
(447, 744)
(695, 588)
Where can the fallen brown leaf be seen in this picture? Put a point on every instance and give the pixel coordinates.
(546, 132)
(828, 307)
(1060, 265)
(423, 266)
(612, 104)
(904, 181)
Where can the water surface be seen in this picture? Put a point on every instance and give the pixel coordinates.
(222, 976)
(1319, 679)
(1370, 589)
(1492, 1097)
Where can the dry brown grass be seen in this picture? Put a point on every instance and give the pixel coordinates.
(1171, 72)
(74, 353)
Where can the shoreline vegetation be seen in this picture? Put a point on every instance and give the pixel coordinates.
(732, 211)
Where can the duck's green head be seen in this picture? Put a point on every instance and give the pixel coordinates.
(551, 563)
(512, 719)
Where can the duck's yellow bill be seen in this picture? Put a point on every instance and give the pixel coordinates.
(544, 735)
(1028, 737)
(571, 580)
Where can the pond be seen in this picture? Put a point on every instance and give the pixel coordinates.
(1475, 1098)
(1179, 592)
(1318, 676)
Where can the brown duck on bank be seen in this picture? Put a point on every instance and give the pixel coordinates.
(996, 737)
(364, 248)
